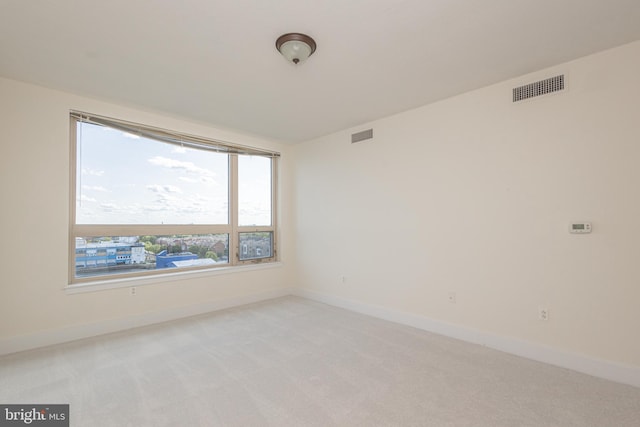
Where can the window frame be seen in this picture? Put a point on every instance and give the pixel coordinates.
(232, 228)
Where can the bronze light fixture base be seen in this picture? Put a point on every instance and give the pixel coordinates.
(296, 47)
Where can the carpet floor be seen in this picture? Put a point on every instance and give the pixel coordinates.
(296, 362)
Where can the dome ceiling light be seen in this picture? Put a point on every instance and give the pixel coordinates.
(295, 47)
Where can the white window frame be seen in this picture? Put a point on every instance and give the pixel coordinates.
(233, 229)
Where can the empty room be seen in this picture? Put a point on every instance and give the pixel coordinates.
(335, 213)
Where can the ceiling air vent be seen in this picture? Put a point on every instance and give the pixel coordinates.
(550, 85)
(361, 136)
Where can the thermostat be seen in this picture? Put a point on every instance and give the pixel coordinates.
(580, 227)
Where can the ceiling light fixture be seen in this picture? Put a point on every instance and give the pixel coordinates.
(295, 47)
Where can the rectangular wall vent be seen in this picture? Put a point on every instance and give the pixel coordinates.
(553, 84)
(361, 136)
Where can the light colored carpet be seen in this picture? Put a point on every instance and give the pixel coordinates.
(295, 362)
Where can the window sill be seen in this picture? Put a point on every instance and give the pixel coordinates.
(127, 282)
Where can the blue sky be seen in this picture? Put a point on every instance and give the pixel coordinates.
(126, 179)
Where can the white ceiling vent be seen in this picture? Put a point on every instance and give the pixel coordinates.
(361, 136)
(543, 87)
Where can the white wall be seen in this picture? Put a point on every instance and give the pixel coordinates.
(471, 195)
(474, 195)
(34, 185)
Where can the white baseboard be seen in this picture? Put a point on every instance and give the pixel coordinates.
(87, 330)
(613, 371)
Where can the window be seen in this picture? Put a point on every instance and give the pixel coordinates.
(148, 201)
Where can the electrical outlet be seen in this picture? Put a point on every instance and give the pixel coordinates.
(133, 290)
(543, 313)
(452, 297)
(343, 279)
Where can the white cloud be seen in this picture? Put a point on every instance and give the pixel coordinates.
(187, 179)
(95, 188)
(164, 188)
(179, 150)
(109, 207)
(151, 208)
(84, 198)
(205, 175)
(92, 172)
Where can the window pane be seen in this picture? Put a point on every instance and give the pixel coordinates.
(97, 256)
(125, 179)
(255, 245)
(254, 190)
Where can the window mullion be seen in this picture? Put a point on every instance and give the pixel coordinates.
(274, 209)
(73, 165)
(233, 211)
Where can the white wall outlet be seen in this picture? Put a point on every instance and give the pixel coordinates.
(343, 279)
(452, 297)
(133, 290)
(543, 313)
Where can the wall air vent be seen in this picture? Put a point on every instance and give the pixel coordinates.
(550, 85)
(361, 136)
